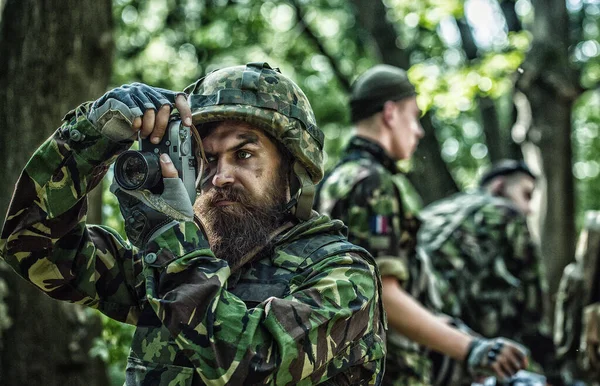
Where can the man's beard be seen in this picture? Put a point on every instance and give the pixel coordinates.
(235, 230)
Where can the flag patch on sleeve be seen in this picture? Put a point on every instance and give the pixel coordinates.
(379, 225)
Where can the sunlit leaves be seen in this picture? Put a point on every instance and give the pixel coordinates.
(426, 13)
(586, 141)
(452, 91)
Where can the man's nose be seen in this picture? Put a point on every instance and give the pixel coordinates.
(420, 131)
(527, 209)
(223, 175)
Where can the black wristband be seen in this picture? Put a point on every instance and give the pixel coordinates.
(472, 345)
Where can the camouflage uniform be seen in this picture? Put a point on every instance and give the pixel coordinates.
(364, 191)
(577, 310)
(482, 247)
(310, 313)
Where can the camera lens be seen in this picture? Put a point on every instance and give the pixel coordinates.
(137, 170)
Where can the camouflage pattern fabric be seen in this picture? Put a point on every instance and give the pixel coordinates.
(362, 192)
(311, 313)
(577, 308)
(257, 94)
(482, 247)
(590, 339)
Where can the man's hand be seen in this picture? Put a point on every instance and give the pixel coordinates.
(499, 357)
(124, 111)
(148, 215)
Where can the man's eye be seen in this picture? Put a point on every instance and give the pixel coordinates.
(243, 154)
(211, 158)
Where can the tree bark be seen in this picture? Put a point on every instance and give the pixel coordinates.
(498, 138)
(371, 16)
(430, 175)
(550, 85)
(54, 54)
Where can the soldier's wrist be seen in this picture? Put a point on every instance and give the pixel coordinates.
(86, 142)
(474, 342)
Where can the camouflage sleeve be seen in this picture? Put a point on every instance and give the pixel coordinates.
(45, 238)
(499, 283)
(501, 286)
(525, 262)
(303, 338)
(535, 331)
(374, 223)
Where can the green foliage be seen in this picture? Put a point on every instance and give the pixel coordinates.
(586, 142)
(113, 347)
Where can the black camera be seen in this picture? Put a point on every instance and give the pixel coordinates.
(141, 169)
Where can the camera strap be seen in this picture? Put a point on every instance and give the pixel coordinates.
(200, 156)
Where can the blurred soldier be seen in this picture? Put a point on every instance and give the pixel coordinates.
(271, 293)
(577, 313)
(479, 242)
(362, 191)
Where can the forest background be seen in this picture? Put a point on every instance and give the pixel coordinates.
(496, 79)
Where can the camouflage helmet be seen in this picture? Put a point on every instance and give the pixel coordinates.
(265, 98)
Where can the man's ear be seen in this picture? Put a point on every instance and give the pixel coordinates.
(388, 111)
(496, 186)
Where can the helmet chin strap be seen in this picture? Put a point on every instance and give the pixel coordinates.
(303, 192)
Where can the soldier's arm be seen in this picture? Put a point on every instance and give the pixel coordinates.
(410, 318)
(45, 238)
(302, 338)
(374, 223)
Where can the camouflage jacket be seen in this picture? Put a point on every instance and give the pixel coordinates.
(362, 190)
(481, 245)
(311, 313)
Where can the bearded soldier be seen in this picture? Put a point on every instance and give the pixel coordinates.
(259, 290)
(363, 190)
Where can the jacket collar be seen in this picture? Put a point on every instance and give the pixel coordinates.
(361, 144)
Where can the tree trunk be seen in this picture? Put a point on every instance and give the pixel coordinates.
(430, 175)
(497, 137)
(371, 16)
(551, 87)
(54, 54)
(498, 140)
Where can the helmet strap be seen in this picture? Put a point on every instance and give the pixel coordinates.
(304, 195)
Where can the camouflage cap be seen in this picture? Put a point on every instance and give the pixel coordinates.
(262, 96)
(376, 86)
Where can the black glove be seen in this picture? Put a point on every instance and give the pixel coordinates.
(113, 114)
(499, 356)
(147, 215)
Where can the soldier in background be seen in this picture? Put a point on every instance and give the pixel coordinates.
(480, 243)
(271, 293)
(362, 191)
(577, 312)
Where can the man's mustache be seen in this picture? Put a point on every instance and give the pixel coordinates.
(214, 195)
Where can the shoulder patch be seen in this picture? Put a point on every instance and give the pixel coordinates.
(379, 225)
